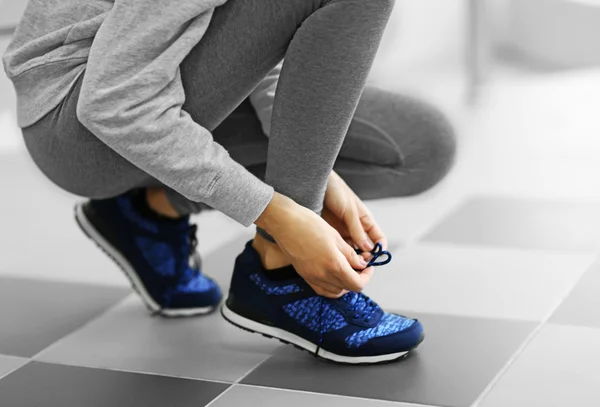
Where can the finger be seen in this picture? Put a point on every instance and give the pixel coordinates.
(366, 275)
(357, 231)
(325, 291)
(355, 260)
(353, 281)
(373, 230)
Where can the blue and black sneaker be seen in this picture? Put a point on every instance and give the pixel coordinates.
(157, 254)
(280, 304)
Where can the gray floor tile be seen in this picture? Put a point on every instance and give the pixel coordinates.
(36, 313)
(10, 363)
(560, 367)
(41, 384)
(127, 338)
(242, 395)
(477, 281)
(582, 306)
(457, 360)
(522, 224)
(205, 347)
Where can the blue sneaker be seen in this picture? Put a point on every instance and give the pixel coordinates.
(280, 304)
(157, 254)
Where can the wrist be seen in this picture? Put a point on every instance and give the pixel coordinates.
(273, 217)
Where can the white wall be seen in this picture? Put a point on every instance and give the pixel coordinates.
(422, 34)
(430, 35)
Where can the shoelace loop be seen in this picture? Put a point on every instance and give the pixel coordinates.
(369, 307)
(377, 252)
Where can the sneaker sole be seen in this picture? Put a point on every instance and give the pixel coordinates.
(302, 344)
(94, 235)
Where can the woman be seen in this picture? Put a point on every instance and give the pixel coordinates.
(156, 111)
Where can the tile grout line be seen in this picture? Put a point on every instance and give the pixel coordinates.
(220, 395)
(253, 369)
(140, 372)
(525, 343)
(2, 376)
(107, 310)
(97, 317)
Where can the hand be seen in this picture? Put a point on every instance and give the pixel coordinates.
(316, 250)
(349, 216)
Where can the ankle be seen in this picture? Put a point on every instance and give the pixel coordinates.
(270, 254)
(157, 201)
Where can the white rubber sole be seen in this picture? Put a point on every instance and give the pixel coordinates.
(129, 271)
(292, 339)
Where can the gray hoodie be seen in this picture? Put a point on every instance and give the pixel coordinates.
(132, 95)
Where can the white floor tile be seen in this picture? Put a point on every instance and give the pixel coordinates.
(560, 367)
(471, 281)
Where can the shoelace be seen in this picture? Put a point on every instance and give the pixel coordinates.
(377, 252)
(362, 306)
(368, 307)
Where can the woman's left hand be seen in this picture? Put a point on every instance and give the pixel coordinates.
(343, 210)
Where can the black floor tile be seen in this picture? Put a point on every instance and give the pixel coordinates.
(48, 385)
(36, 313)
(457, 360)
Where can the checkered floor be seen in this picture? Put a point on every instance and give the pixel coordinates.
(499, 263)
(507, 294)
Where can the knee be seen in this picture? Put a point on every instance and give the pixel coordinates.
(436, 156)
(426, 141)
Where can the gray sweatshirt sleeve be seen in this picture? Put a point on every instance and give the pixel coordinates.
(263, 96)
(132, 97)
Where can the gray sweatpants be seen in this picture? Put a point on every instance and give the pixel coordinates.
(382, 144)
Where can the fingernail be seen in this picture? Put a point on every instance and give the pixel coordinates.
(366, 245)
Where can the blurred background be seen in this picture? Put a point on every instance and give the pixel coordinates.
(520, 79)
(512, 232)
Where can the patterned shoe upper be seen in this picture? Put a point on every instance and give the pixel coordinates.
(352, 325)
(162, 252)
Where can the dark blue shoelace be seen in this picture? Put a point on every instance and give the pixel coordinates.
(362, 306)
(377, 252)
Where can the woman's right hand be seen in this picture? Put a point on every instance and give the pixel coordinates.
(315, 249)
